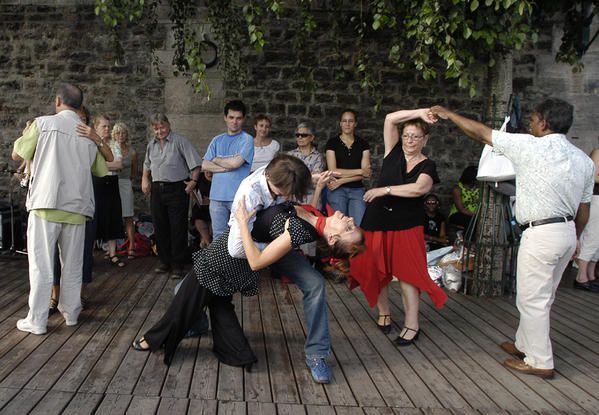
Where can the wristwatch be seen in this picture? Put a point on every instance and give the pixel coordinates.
(388, 190)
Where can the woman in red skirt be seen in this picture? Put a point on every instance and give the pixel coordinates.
(393, 224)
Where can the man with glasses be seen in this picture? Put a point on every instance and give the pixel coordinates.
(554, 187)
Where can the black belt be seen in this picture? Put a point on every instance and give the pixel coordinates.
(546, 221)
(167, 183)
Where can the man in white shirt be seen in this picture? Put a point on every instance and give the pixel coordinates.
(554, 186)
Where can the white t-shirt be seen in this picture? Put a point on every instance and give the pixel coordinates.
(263, 155)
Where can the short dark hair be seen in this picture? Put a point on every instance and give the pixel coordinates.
(289, 174)
(557, 113)
(469, 175)
(70, 95)
(235, 105)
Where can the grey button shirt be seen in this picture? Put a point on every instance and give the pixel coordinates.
(173, 162)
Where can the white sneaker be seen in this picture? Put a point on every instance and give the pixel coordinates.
(70, 323)
(25, 325)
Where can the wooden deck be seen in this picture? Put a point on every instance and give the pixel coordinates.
(455, 368)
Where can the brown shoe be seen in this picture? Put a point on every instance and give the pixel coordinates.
(522, 367)
(511, 349)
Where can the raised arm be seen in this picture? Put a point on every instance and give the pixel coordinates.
(87, 132)
(393, 119)
(473, 129)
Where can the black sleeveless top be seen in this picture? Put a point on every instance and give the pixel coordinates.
(394, 213)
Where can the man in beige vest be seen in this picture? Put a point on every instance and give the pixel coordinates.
(59, 201)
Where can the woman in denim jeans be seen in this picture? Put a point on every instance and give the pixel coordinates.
(349, 156)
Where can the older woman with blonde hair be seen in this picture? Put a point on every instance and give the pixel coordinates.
(127, 156)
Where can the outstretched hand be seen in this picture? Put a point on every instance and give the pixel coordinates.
(439, 112)
(241, 214)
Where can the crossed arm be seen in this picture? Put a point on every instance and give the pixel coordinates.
(223, 164)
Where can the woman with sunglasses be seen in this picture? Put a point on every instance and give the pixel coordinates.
(349, 156)
(393, 224)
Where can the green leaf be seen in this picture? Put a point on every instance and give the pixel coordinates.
(473, 5)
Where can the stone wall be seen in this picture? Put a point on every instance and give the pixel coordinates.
(44, 42)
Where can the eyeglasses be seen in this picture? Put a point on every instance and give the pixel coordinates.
(302, 135)
(412, 137)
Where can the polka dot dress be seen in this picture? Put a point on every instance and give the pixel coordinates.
(224, 275)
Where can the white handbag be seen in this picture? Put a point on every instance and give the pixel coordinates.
(493, 166)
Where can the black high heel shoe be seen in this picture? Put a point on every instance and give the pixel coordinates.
(386, 326)
(401, 341)
(137, 345)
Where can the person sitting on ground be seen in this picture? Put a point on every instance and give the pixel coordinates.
(466, 198)
(435, 233)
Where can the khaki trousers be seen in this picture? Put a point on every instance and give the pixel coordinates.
(543, 256)
(42, 237)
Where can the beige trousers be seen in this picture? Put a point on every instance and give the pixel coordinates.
(543, 256)
(42, 237)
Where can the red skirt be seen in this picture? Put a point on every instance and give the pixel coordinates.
(393, 253)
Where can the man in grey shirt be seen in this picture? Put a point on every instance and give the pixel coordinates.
(554, 186)
(170, 160)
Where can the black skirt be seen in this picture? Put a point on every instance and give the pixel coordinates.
(108, 208)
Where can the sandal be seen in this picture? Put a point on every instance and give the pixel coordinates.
(53, 308)
(131, 255)
(137, 345)
(402, 341)
(386, 326)
(114, 260)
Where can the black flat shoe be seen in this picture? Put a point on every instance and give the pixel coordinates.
(386, 326)
(137, 345)
(401, 341)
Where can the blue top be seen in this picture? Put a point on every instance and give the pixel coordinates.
(224, 185)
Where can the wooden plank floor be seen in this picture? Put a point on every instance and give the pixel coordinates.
(455, 368)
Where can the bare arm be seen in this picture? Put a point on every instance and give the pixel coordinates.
(393, 119)
(134, 166)
(115, 165)
(324, 178)
(229, 163)
(146, 181)
(473, 129)
(582, 217)
(272, 253)
(595, 158)
(423, 185)
(456, 194)
(191, 184)
(208, 165)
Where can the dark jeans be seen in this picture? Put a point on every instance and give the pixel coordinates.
(169, 204)
(88, 254)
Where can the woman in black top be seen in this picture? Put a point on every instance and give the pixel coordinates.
(393, 224)
(349, 156)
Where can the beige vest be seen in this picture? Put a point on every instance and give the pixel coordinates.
(61, 169)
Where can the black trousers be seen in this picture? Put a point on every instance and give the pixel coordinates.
(169, 204)
(230, 344)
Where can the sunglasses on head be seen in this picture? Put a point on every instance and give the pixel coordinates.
(302, 135)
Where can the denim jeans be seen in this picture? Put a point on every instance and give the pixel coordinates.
(312, 284)
(348, 200)
(220, 212)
